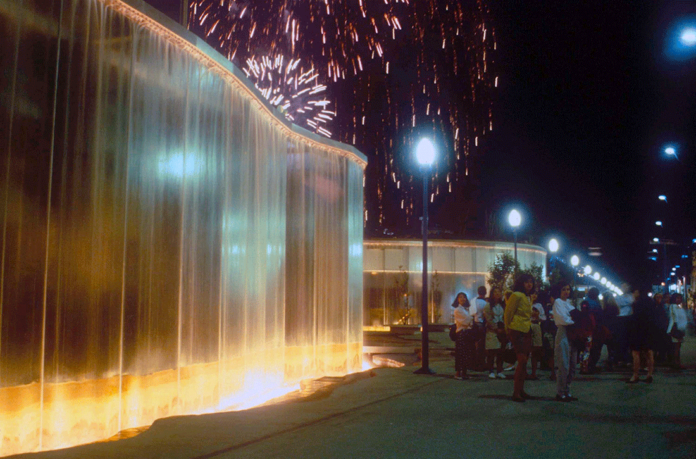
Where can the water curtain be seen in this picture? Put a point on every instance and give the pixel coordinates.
(168, 244)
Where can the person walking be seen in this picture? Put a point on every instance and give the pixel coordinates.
(643, 334)
(677, 327)
(517, 319)
(495, 333)
(565, 352)
(463, 346)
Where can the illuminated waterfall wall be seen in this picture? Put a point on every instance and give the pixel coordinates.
(168, 244)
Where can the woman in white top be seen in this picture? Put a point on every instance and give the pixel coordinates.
(565, 354)
(677, 320)
(464, 344)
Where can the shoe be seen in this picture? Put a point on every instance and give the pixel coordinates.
(561, 398)
(491, 375)
(633, 381)
(509, 368)
(500, 376)
(517, 399)
(649, 379)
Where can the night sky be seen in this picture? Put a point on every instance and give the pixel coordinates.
(589, 96)
(588, 100)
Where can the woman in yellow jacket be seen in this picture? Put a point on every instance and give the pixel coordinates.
(518, 324)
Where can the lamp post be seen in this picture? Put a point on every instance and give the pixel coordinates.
(553, 248)
(425, 154)
(515, 219)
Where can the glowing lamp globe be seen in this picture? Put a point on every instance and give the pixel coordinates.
(574, 260)
(688, 37)
(425, 152)
(553, 246)
(587, 270)
(670, 151)
(515, 218)
(603, 281)
(596, 276)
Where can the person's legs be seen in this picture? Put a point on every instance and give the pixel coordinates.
(498, 353)
(520, 375)
(636, 365)
(572, 364)
(535, 361)
(490, 356)
(651, 363)
(595, 353)
(677, 355)
(562, 353)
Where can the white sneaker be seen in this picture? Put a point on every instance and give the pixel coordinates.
(491, 375)
(500, 376)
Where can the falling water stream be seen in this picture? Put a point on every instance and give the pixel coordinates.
(169, 245)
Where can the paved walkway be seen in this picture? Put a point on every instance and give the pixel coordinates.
(390, 412)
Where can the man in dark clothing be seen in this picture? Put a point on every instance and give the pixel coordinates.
(599, 333)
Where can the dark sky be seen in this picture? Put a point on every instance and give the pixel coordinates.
(588, 100)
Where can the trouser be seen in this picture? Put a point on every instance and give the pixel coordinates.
(565, 356)
(463, 349)
(595, 352)
(480, 359)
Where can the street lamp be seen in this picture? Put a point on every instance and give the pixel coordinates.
(596, 276)
(688, 36)
(603, 281)
(515, 219)
(425, 154)
(658, 223)
(553, 248)
(587, 270)
(662, 197)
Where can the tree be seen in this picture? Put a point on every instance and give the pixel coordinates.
(537, 272)
(501, 272)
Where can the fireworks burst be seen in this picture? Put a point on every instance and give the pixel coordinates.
(296, 91)
(399, 70)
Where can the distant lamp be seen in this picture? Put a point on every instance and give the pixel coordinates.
(662, 197)
(671, 151)
(658, 223)
(587, 270)
(603, 281)
(574, 260)
(688, 36)
(553, 246)
(656, 239)
(596, 276)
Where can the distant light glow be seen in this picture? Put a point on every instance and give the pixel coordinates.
(662, 197)
(587, 270)
(670, 151)
(658, 223)
(514, 218)
(603, 281)
(553, 246)
(656, 239)
(574, 260)
(688, 36)
(596, 276)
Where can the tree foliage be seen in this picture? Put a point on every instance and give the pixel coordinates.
(501, 272)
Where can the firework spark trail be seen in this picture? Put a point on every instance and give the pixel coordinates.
(398, 70)
(296, 91)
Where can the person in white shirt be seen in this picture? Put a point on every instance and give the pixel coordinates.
(677, 320)
(565, 354)
(465, 336)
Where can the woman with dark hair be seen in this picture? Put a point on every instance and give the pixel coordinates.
(518, 324)
(643, 335)
(565, 352)
(466, 337)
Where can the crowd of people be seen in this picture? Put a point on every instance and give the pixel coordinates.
(558, 334)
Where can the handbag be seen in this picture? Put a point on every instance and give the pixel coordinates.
(676, 333)
(453, 332)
